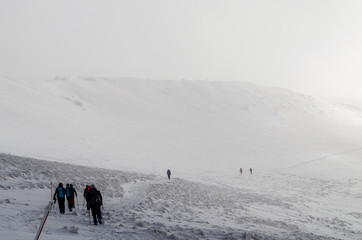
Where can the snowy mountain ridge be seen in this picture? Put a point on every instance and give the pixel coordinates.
(184, 125)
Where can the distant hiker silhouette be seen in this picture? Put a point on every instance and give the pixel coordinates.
(94, 199)
(241, 171)
(251, 171)
(168, 173)
(60, 193)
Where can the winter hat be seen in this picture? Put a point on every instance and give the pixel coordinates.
(60, 184)
(93, 186)
(71, 185)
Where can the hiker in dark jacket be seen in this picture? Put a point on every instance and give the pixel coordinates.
(73, 191)
(168, 173)
(60, 193)
(85, 194)
(94, 200)
(70, 192)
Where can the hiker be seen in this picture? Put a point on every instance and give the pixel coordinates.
(67, 194)
(168, 173)
(241, 171)
(85, 194)
(94, 200)
(70, 191)
(251, 171)
(60, 193)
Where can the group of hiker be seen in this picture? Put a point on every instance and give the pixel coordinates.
(250, 170)
(241, 172)
(61, 193)
(91, 195)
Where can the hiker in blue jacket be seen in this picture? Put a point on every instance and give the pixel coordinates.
(60, 193)
(70, 192)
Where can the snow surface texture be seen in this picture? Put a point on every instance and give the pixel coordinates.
(305, 154)
(140, 206)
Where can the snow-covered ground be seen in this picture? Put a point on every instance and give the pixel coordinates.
(123, 134)
(136, 206)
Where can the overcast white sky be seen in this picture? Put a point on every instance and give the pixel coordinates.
(312, 46)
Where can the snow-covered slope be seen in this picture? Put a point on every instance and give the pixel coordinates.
(194, 127)
(305, 153)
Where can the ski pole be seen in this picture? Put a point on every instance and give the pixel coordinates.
(100, 212)
(77, 203)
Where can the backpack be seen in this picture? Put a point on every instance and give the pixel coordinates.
(60, 192)
(85, 194)
(96, 199)
(67, 190)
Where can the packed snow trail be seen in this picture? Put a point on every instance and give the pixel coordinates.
(322, 158)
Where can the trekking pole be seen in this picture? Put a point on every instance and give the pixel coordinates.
(51, 194)
(77, 203)
(49, 207)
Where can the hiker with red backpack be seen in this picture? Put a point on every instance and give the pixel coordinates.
(60, 194)
(94, 201)
(85, 194)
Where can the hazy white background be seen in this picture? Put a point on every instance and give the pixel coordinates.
(306, 153)
(309, 46)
